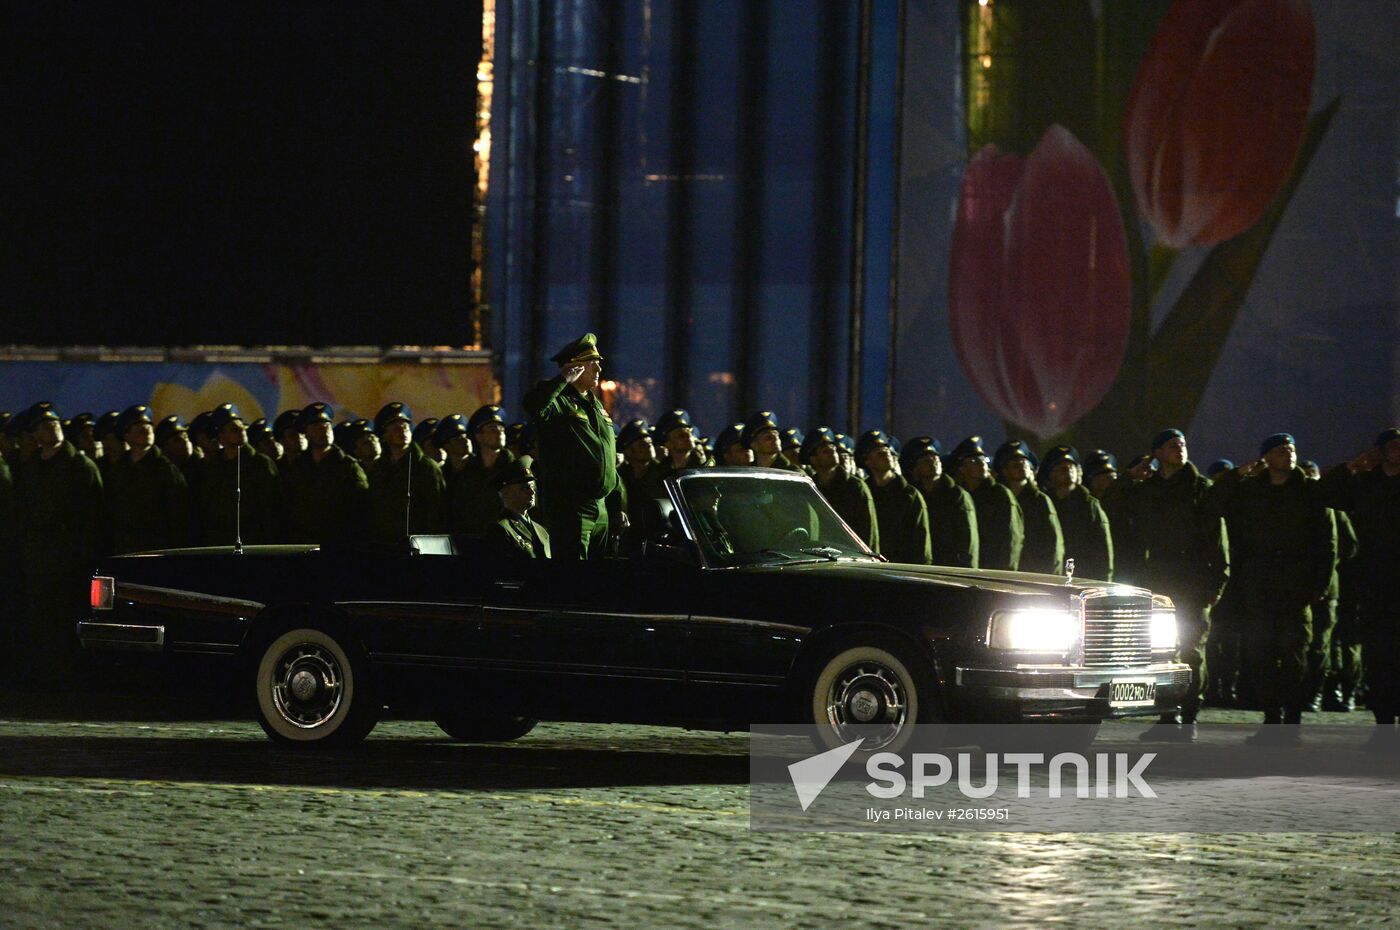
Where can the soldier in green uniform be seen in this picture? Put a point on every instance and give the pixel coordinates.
(730, 450)
(1282, 553)
(1344, 670)
(1324, 613)
(1014, 465)
(406, 489)
(578, 452)
(58, 493)
(452, 438)
(791, 440)
(640, 472)
(262, 440)
(900, 512)
(364, 444)
(1181, 552)
(952, 518)
(423, 435)
(291, 439)
(241, 490)
(81, 431)
(847, 494)
(1001, 529)
(763, 436)
(676, 442)
(148, 501)
(1086, 528)
(1225, 685)
(109, 442)
(474, 503)
(514, 533)
(325, 489)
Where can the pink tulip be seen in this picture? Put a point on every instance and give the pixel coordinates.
(1216, 114)
(1039, 286)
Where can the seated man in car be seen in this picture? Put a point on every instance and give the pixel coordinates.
(515, 533)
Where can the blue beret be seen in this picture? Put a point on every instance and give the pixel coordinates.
(311, 413)
(490, 413)
(1388, 436)
(391, 412)
(757, 423)
(1218, 467)
(1276, 440)
(1166, 436)
(1009, 450)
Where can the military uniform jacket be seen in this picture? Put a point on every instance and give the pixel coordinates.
(1044, 548)
(952, 524)
(1285, 543)
(518, 535)
(783, 462)
(578, 451)
(473, 504)
(1181, 549)
(1088, 539)
(851, 498)
(259, 519)
(1372, 499)
(395, 508)
(148, 504)
(325, 499)
(1001, 528)
(59, 502)
(638, 488)
(902, 519)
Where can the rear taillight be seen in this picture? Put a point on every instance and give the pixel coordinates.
(100, 593)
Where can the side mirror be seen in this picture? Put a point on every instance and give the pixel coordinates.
(671, 550)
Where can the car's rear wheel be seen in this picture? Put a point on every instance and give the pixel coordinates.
(875, 691)
(471, 728)
(312, 688)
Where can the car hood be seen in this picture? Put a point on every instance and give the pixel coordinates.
(1000, 582)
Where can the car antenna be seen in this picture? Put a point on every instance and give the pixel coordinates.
(238, 502)
(408, 497)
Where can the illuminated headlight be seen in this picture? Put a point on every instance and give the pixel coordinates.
(1163, 624)
(1036, 630)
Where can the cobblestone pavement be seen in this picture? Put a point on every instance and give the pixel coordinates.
(204, 823)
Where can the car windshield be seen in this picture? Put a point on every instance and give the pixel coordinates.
(764, 519)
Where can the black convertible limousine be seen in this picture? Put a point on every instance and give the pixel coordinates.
(745, 600)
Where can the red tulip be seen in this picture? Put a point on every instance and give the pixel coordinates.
(1039, 287)
(1216, 114)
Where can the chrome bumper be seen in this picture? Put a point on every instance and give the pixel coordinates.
(1066, 688)
(125, 636)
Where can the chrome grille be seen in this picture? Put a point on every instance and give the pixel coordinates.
(1117, 631)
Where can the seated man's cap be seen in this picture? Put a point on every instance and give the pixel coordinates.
(731, 435)
(582, 349)
(1276, 440)
(869, 441)
(139, 413)
(516, 472)
(632, 431)
(792, 438)
(221, 416)
(969, 448)
(816, 438)
(672, 420)
(490, 413)
(1218, 467)
(1098, 462)
(39, 412)
(449, 428)
(915, 449)
(425, 429)
(391, 412)
(286, 420)
(258, 430)
(311, 413)
(760, 421)
(105, 426)
(1387, 437)
(1009, 450)
(1166, 436)
(169, 427)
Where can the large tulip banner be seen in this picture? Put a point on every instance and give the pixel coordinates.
(1058, 258)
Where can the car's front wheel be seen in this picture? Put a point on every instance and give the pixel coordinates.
(876, 692)
(312, 688)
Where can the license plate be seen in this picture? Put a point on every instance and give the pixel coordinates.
(1132, 692)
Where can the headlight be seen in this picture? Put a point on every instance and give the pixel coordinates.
(1163, 624)
(1036, 630)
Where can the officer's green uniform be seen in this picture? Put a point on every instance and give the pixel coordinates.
(903, 521)
(472, 499)
(325, 499)
(1001, 528)
(148, 503)
(1323, 613)
(518, 535)
(1282, 558)
(259, 518)
(1344, 673)
(394, 507)
(851, 498)
(1044, 547)
(1088, 538)
(578, 459)
(952, 524)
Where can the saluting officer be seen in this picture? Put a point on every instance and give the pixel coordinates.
(1001, 528)
(1044, 548)
(578, 452)
(763, 436)
(900, 511)
(255, 515)
(514, 532)
(847, 494)
(1087, 530)
(475, 505)
(952, 518)
(325, 488)
(148, 500)
(405, 487)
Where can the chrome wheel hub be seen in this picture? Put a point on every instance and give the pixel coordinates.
(308, 685)
(867, 700)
